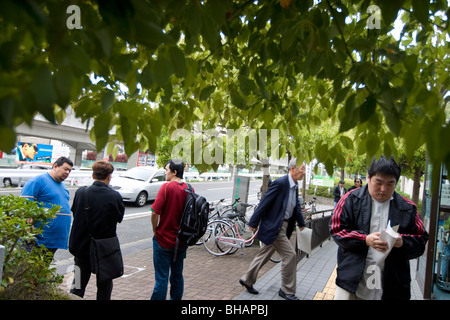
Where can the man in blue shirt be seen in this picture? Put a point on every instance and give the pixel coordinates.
(50, 189)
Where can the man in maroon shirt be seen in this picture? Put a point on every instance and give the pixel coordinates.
(166, 215)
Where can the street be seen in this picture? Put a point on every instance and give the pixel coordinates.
(136, 224)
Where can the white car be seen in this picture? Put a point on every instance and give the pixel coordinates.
(23, 174)
(139, 184)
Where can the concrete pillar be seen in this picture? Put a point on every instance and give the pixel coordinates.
(132, 160)
(78, 157)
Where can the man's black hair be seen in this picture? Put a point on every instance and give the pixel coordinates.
(62, 160)
(176, 165)
(384, 168)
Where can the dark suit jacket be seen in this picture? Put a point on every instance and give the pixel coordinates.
(106, 210)
(270, 212)
(337, 193)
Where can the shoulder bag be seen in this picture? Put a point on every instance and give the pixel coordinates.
(105, 254)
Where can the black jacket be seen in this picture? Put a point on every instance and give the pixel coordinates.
(349, 226)
(337, 193)
(106, 211)
(270, 212)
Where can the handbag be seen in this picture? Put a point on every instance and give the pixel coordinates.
(304, 238)
(105, 254)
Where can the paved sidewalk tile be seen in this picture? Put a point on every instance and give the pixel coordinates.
(206, 277)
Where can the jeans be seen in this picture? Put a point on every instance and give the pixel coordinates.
(164, 264)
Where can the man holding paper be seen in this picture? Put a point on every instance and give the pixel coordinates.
(378, 232)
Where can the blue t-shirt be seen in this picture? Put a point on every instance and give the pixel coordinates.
(44, 189)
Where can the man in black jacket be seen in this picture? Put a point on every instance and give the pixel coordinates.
(339, 191)
(106, 210)
(356, 225)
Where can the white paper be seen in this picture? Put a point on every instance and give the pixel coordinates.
(389, 235)
(304, 240)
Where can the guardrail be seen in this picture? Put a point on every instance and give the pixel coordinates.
(225, 175)
(21, 176)
(84, 177)
(319, 224)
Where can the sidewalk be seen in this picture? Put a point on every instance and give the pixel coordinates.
(206, 277)
(216, 278)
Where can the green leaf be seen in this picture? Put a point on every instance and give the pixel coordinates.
(44, 92)
(63, 80)
(347, 143)
(288, 38)
(421, 8)
(349, 117)
(367, 109)
(206, 93)
(149, 33)
(102, 125)
(410, 62)
(372, 145)
(178, 61)
(209, 31)
(237, 99)
(389, 10)
(107, 100)
(162, 70)
(246, 85)
(8, 138)
(342, 94)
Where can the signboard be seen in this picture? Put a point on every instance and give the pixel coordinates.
(445, 194)
(34, 153)
(323, 181)
(241, 188)
(145, 159)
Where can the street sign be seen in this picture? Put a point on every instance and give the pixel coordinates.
(323, 181)
(241, 188)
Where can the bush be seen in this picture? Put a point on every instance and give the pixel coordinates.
(26, 275)
(320, 192)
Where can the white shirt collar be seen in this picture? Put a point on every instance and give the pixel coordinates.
(291, 182)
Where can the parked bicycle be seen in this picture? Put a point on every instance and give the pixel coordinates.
(311, 206)
(215, 209)
(215, 212)
(231, 232)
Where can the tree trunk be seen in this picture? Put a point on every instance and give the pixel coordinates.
(266, 176)
(416, 186)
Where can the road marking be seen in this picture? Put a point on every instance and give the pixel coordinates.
(138, 269)
(136, 215)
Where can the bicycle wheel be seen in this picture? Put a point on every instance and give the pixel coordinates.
(214, 238)
(246, 234)
(276, 258)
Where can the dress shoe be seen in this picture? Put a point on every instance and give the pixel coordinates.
(249, 288)
(286, 296)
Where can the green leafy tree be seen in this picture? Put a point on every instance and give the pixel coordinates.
(146, 65)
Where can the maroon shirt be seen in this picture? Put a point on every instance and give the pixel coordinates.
(169, 205)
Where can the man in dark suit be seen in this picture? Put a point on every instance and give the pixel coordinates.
(276, 216)
(106, 210)
(339, 192)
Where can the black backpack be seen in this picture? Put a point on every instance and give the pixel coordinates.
(194, 218)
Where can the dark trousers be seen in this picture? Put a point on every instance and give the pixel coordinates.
(81, 280)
